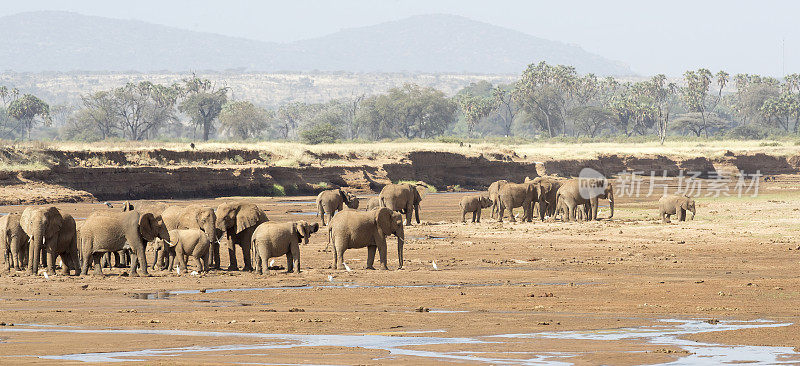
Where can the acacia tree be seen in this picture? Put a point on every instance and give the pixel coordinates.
(143, 108)
(30, 110)
(543, 92)
(505, 108)
(243, 119)
(474, 109)
(410, 112)
(203, 102)
(99, 111)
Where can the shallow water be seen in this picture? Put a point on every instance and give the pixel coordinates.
(664, 332)
(303, 213)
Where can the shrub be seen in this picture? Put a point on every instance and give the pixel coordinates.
(747, 132)
(323, 133)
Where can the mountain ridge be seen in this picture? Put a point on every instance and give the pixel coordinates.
(67, 41)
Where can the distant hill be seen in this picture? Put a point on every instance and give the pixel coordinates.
(64, 41)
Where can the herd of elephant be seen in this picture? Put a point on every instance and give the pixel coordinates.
(45, 234)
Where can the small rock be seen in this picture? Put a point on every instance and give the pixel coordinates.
(155, 321)
(202, 290)
(681, 242)
(84, 286)
(700, 281)
(422, 309)
(543, 323)
(232, 322)
(296, 310)
(777, 288)
(713, 321)
(268, 311)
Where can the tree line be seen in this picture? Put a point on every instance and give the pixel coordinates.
(547, 101)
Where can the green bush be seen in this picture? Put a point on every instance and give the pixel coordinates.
(747, 132)
(323, 133)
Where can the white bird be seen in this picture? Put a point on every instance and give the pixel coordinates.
(178, 270)
(435, 267)
(271, 262)
(330, 278)
(347, 267)
(45, 275)
(194, 273)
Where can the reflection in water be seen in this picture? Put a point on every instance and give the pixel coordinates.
(666, 332)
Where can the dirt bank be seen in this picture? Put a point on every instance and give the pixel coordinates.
(72, 175)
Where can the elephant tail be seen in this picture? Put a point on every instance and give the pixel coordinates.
(329, 238)
(320, 210)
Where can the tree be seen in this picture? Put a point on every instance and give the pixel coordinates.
(323, 133)
(696, 93)
(474, 108)
(410, 112)
(543, 92)
(659, 95)
(30, 110)
(202, 102)
(99, 112)
(243, 119)
(288, 118)
(505, 107)
(590, 120)
(694, 123)
(143, 108)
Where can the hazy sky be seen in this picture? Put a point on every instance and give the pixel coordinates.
(650, 36)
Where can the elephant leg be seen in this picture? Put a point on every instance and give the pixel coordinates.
(215, 262)
(571, 211)
(371, 256)
(181, 260)
(338, 255)
(289, 262)
(87, 260)
(64, 267)
(206, 260)
(382, 254)
(511, 215)
(198, 262)
(51, 263)
(234, 263)
(98, 269)
(248, 260)
(294, 250)
(409, 213)
(476, 216)
(682, 216)
(594, 202)
(139, 259)
(106, 257)
(170, 259)
(463, 215)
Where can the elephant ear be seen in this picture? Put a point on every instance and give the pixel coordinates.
(685, 204)
(315, 227)
(147, 226)
(248, 216)
(383, 220)
(54, 222)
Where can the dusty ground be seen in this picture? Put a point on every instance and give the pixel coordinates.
(737, 261)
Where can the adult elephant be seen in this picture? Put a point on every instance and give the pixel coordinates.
(334, 200)
(548, 188)
(14, 242)
(373, 203)
(274, 240)
(195, 216)
(239, 220)
(104, 232)
(494, 195)
(53, 233)
(673, 204)
(403, 198)
(355, 229)
(586, 191)
(514, 195)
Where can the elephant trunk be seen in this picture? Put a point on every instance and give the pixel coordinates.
(692, 217)
(401, 238)
(611, 203)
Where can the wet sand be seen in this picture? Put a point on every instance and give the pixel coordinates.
(612, 282)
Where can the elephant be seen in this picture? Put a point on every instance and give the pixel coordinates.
(581, 211)
(356, 229)
(548, 188)
(474, 204)
(403, 198)
(373, 203)
(673, 204)
(14, 242)
(239, 220)
(112, 231)
(190, 242)
(514, 195)
(494, 195)
(194, 216)
(274, 240)
(165, 255)
(53, 233)
(332, 200)
(586, 191)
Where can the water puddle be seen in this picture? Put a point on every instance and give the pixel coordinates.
(428, 237)
(668, 332)
(303, 213)
(397, 343)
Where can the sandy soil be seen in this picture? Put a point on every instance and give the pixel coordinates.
(737, 261)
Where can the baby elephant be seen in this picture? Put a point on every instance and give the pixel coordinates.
(190, 242)
(474, 204)
(671, 205)
(276, 239)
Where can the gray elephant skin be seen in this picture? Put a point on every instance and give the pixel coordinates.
(404, 198)
(190, 243)
(277, 239)
(53, 233)
(356, 229)
(14, 242)
(474, 204)
(238, 220)
(112, 231)
(332, 201)
(494, 195)
(586, 191)
(673, 204)
(513, 195)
